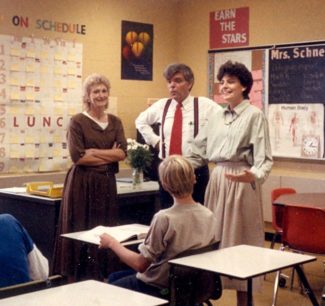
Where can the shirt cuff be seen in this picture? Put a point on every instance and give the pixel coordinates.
(259, 175)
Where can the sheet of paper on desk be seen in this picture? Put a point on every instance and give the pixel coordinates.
(121, 233)
(15, 189)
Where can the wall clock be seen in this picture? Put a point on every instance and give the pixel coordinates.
(310, 146)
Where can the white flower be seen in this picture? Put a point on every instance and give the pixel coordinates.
(138, 155)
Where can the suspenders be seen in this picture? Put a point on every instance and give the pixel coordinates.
(196, 116)
(196, 122)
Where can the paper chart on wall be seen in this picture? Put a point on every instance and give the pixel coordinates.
(296, 130)
(40, 89)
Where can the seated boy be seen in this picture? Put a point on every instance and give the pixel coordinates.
(20, 259)
(184, 226)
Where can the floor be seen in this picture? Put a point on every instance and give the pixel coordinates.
(315, 274)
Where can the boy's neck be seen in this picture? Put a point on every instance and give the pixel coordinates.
(184, 200)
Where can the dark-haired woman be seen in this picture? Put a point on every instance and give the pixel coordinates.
(237, 140)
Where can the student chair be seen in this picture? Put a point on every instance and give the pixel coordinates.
(52, 281)
(277, 212)
(189, 286)
(277, 216)
(303, 231)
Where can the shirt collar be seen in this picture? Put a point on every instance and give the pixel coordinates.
(186, 102)
(230, 115)
(238, 109)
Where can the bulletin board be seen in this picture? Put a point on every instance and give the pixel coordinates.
(40, 89)
(289, 87)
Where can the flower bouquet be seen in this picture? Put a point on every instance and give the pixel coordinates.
(139, 158)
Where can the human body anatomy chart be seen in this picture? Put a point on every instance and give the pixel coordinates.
(296, 130)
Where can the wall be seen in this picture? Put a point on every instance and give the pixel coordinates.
(271, 22)
(181, 30)
(101, 46)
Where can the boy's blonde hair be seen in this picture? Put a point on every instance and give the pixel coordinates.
(177, 176)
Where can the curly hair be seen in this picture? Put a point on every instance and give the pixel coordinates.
(240, 71)
(90, 81)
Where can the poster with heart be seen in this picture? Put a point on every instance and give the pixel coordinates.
(136, 51)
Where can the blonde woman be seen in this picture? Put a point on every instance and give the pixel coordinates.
(96, 144)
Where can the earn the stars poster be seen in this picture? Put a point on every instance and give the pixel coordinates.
(136, 51)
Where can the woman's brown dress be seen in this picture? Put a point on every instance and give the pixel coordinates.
(89, 195)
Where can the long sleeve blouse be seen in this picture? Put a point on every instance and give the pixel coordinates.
(237, 135)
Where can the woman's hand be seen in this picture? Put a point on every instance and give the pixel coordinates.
(98, 157)
(244, 177)
(90, 152)
(107, 241)
(96, 152)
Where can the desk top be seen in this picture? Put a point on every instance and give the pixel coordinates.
(20, 192)
(302, 199)
(91, 236)
(83, 294)
(123, 188)
(127, 188)
(243, 261)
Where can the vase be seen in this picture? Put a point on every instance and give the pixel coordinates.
(137, 177)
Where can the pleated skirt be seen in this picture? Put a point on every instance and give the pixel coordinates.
(239, 212)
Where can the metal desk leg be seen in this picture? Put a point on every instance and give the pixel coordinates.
(276, 287)
(306, 285)
(250, 292)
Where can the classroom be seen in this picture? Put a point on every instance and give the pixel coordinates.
(94, 37)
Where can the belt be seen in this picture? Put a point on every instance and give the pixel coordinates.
(232, 164)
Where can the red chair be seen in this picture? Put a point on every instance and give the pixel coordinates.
(303, 231)
(277, 212)
(277, 216)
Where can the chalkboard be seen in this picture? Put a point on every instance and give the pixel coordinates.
(297, 74)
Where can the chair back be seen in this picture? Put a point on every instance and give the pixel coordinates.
(277, 211)
(189, 286)
(52, 281)
(304, 229)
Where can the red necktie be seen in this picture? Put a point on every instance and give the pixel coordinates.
(176, 135)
